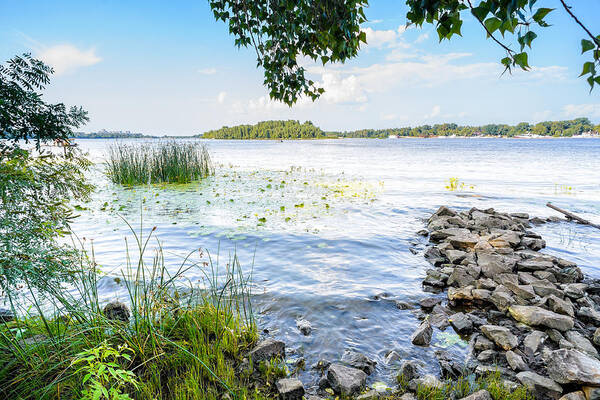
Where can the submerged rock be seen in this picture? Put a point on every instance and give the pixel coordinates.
(304, 327)
(422, 336)
(290, 389)
(359, 361)
(346, 380)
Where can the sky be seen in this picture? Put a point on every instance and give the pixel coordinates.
(161, 67)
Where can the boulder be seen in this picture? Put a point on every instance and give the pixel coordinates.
(290, 389)
(428, 381)
(560, 306)
(589, 314)
(575, 290)
(572, 366)
(533, 341)
(344, 380)
(359, 361)
(479, 395)
(579, 395)
(116, 311)
(304, 326)
(546, 288)
(422, 336)
(493, 264)
(461, 294)
(596, 338)
(460, 277)
(461, 323)
(501, 300)
(443, 234)
(516, 361)
(455, 256)
(591, 392)
(482, 343)
(538, 383)
(409, 370)
(429, 302)
(487, 356)
(465, 241)
(523, 291)
(535, 264)
(581, 343)
(537, 316)
(501, 336)
(267, 349)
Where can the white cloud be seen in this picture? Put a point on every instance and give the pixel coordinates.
(207, 71)
(66, 58)
(266, 104)
(389, 117)
(381, 38)
(591, 110)
(221, 97)
(422, 37)
(435, 111)
(342, 90)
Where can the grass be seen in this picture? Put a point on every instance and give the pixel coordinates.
(181, 342)
(165, 162)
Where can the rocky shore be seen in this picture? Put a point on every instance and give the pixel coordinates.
(530, 317)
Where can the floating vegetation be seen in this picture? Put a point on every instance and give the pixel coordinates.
(165, 162)
(563, 189)
(455, 184)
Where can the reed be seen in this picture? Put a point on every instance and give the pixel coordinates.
(181, 341)
(163, 162)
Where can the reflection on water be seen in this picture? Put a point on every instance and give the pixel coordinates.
(326, 227)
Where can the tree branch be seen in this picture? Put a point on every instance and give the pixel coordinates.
(568, 9)
(505, 47)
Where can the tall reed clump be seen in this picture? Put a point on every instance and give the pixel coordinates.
(163, 162)
(180, 341)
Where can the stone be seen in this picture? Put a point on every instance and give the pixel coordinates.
(444, 211)
(487, 356)
(481, 294)
(596, 338)
(116, 311)
(560, 306)
(537, 316)
(591, 393)
(464, 294)
(321, 365)
(579, 395)
(464, 241)
(359, 361)
(523, 291)
(533, 341)
(581, 343)
(423, 232)
(6, 315)
(589, 314)
(486, 283)
(526, 278)
(434, 256)
(534, 265)
(461, 323)
(402, 305)
(507, 279)
(482, 343)
(304, 327)
(546, 288)
(501, 300)
(429, 302)
(501, 336)
(570, 274)
(479, 395)
(428, 381)
(267, 349)
(344, 380)
(422, 336)
(575, 290)
(290, 389)
(370, 395)
(572, 366)
(493, 264)
(435, 278)
(555, 335)
(516, 361)
(460, 277)
(533, 243)
(519, 215)
(443, 234)
(407, 396)
(545, 275)
(455, 256)
(409, 370)
(538, 382)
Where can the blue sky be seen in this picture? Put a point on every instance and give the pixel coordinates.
(169, 68)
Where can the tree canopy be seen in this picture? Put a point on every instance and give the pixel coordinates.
(268, 130)
(282, 32)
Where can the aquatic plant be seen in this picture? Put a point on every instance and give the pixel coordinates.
(181, 341)
(163, 162)
(563, 189)
(455, 184)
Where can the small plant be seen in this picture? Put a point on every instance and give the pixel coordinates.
(455, 184)
(103, 376)
(563, 189)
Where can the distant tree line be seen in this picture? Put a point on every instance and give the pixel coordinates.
(268, 130)
(110, 135)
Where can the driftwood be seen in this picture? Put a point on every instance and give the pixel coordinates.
(571, 216)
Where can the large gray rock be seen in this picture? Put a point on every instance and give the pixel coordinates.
(409, 370)
(116, 311)
(591, 393)
(455, 256)
(515, 361)
(460, 322)
(346, 380)
(538, 382)
(546, 288)
(501, 336)
(359, 361)
(533, 341)
(537, 316)
(493, 264)
(290, 389)
(267, 349)
(422, 336)
(304, 326)
(581, 343)
(589, 314)
(443, 234)
(597, 337)
(572, 366)
(534, 265)
(461, 294)
(479, 395)
(560, 306)
(579, 395)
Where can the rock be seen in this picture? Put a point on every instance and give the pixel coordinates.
(462, 294)
(428, 381)
(538, 383)
(444, 211)
(501, 336)
(589, 314)
(321, 365)
(460, 277)
(116, 311)
(507, 279)
(443, 234)
(523, 291)
(569, 274)
(519, 215)
(591, 393)
(423, 232)
(555, 335)
(429, 302)
(464, 241)
(575, 290)
(461, 323)
(493, 264)
(581, 343)
(482, 343)
(545, 275)
(481, 294)
(485, 283)
(407, 396)
(6, 315)
(290, 389)
(515, 361)
(572, 366)
(502, 300)
(435, 278)
(370, 395)
(422, 336)
(359, 361)
(533, 243)
(597, 337)
(402, 305)
(487, 356)
(534, 265)
(526, 278)
(304, 326)
(344, 380)
(537, 316)
(450, 368)
(267, 349)
(455, 256)
(533, 341)
(409, 370)
(560, 306)
(573, 396)
(479, 395)
(433, 255)
(546, 288)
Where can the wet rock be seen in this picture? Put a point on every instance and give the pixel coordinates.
(435, 278)
(533, 243)
(502, 300)
(290, 389)
(460, 277)
(429, 302)
(481, 294)
(504, 279)
(465, 241)
(443, 234)
(461, 294)
(409, 370)
(6, 315)
(493, 264)
(359, 361)
(534, 265)
(581, 343)
(545, 276)
(538, 383)
(516, 361)
(589, 314)
(479, 395)
(526, 278)
(423, 232)
(486, 283)
(439, 317)
(402, 305)
(579, 395)
(321, 365)
(455, 256)
(304, 327)
(267, 349)
(533, 341)
(537, 316)
(560, 306)
(344, 380)
(434, 256)
(572, 366)
(501, 336)
(569, 274)
(575, 290)
(555, 335)
(444, 211)
(591, 393)
(461, 323)
(546, 288)
(422, 336)
(392, 357)
(116, 311)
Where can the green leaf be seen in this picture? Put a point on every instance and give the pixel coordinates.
(586, 45)
(521, 60)
(541, 13)
(588, 68)
(492, 24)
(480, 12)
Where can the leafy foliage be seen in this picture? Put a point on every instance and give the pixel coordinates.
(284, 32)
(268, 130)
